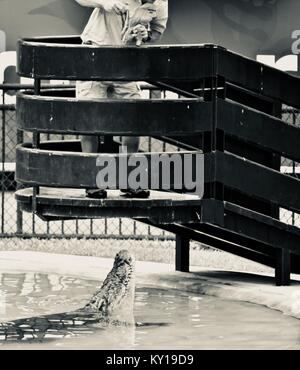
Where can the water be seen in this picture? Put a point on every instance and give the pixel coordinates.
(194, 322)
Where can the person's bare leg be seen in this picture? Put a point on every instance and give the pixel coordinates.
(127, 90)
(130, 144)
(89, 144)
(86, 90)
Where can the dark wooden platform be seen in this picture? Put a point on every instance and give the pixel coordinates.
(162, 207)
(229, 111)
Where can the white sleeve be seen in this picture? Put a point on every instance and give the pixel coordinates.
(159, 23)
(92, 3)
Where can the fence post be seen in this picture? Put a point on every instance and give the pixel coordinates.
(3, 131)
(36, 138)
(20, 140)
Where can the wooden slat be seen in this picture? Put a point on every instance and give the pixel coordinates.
(262, 130)
(253, 179)
(261, 228)
(37, 167)
(257, 77)
(113, 117)
(224, 245)
(235, 238)
(109, 63)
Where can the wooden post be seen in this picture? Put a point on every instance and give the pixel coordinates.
(182, 253)
(283, 267)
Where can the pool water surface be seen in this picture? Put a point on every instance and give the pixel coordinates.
(175, 320)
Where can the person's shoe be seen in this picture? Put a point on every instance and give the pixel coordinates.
(96, 193)
(137, 194)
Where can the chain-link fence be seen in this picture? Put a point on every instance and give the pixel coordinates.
(291, 116)
(8, 138)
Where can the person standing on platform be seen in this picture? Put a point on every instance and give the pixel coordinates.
(119, 22)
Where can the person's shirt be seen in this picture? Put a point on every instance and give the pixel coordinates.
(105, 28)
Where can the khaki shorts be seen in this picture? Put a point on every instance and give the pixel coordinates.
(107, 90)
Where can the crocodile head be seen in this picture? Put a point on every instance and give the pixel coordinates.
(124, 259)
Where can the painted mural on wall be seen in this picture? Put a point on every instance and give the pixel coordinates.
(263, 29)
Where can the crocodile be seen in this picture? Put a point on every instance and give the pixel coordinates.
(112, 305)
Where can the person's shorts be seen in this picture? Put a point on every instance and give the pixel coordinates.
(107, 90)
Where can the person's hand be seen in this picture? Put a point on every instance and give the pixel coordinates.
(140, 32)
(136, 35)
(115, 6)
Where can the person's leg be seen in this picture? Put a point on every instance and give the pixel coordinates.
(128, 90)
(86, 90)
(89, 144)
(130, 144)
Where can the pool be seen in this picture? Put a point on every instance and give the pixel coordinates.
(175, 320)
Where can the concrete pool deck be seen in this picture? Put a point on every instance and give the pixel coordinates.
(238, 286)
